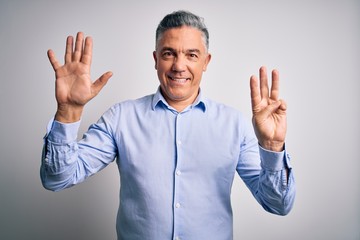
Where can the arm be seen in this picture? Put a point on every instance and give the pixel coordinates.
(65, 161)
(271, 180)
(267, 174)
(269, 112)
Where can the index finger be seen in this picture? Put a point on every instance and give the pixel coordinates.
(274, 93)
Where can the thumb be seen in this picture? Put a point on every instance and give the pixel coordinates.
(273, 107)
(283, 105)
(101, 82)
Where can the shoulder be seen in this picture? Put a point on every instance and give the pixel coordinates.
(214, 107)
(225, 114)
(127, 111)
(229, 119)
(128, 108)
(132, 104)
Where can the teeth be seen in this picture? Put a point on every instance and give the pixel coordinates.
(179, 80)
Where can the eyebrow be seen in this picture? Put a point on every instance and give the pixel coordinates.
(187, 50)
(194, 51)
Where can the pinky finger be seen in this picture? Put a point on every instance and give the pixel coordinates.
(54, 62)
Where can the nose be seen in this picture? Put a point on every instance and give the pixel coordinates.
(179, 64)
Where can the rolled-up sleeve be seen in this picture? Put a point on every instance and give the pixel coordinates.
(66, 161)
(276, 190)
(269, 177)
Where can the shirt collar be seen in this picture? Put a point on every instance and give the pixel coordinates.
(158, 99)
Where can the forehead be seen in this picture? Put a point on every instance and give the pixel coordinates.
(182, 38)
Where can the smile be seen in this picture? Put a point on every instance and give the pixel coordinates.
(178, 80)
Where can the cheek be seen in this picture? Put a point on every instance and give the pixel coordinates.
(163, 67)
(161, 73)
(197, 70)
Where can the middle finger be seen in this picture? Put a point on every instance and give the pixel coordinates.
(78, 47)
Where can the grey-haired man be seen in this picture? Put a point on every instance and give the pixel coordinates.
(176, 150)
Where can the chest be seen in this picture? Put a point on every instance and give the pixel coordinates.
(161, 142)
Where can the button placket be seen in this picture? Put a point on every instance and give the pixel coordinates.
(178, 219)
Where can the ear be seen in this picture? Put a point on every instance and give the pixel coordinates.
(155, 59)
(207, 60)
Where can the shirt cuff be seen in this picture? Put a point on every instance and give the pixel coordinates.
(272, 161)
(58, 132)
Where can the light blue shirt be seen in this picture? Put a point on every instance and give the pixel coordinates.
(176, 169)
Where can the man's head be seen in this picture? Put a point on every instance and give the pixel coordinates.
(182, 18)
(181, 56)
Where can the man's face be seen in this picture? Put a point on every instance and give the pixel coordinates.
(180, 60)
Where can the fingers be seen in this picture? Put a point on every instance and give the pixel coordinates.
(79, 43)
(271, 108)
(262, 92)
(82, 51)
(278, 107)
(69, 49)
(254, 91)
(274, 93)
(283, 105)
(264, 88)
(87, 55)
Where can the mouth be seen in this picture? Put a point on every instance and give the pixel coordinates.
(180, 80)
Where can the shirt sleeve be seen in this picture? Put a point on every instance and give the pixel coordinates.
(276, 189)
(66, 161)
(268, 175)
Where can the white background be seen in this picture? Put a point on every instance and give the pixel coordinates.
(314, 44)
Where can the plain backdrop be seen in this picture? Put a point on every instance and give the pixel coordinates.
(315, 44)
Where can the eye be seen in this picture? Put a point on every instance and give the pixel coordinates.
(193, 56)
(167, 54)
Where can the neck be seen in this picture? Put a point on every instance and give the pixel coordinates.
(180, 104)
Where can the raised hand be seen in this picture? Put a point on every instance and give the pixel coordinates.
(269, 113)
(74, 87)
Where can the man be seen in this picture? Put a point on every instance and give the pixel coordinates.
(176, 150)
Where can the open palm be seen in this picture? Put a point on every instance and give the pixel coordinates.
(269, 113)
(74, 87)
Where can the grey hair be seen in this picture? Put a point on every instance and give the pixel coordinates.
(182, 18)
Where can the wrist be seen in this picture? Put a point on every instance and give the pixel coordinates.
(274, 146)
(68, 113)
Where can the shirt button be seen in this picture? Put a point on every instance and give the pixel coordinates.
(177, 238)
(178, 172)
(179, 142)
(177, 205)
